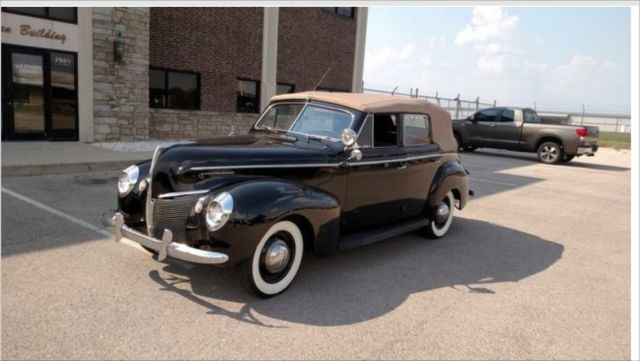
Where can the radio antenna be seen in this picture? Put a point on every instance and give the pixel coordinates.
(324, 76)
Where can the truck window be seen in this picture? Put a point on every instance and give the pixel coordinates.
(530, 116)
(507, 116)
(487, 115)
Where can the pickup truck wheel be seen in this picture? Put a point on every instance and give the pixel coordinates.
(550, 153)
(441, 222)
(459, 141)
(276, 260)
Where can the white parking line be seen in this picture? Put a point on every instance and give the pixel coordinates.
(58, 213)
(494, 182)
(86, 225)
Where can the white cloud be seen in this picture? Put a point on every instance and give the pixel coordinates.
(582, 75)
(488, 23)
(489, 33)
(403, 64)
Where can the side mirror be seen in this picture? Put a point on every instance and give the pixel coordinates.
(472, 118)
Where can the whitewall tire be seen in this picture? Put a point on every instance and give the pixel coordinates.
(440, 225)
(276, 260)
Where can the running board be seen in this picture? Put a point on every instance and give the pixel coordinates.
(367, 237)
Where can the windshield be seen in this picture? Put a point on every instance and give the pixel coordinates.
(315, 120)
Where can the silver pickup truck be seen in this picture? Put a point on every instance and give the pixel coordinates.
(520, 129)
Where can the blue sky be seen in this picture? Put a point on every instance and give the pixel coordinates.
(559, 58)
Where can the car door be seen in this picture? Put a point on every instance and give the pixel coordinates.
(506, 131)
(375, 185)
(422, 162)
(480, 127)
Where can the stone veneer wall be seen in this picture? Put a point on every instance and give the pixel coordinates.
(121, 90)
(179, 124)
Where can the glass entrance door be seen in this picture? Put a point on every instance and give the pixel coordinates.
(39, 96)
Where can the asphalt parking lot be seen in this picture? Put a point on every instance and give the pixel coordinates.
(537, 267)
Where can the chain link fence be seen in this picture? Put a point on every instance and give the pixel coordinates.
(462, 108)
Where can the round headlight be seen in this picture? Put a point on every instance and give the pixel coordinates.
(127, 180)
(218, 211)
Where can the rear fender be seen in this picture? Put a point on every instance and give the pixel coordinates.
(451, 176)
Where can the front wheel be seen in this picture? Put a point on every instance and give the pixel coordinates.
(441, 221)
(276, 260)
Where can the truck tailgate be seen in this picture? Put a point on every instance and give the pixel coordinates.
(593, 132)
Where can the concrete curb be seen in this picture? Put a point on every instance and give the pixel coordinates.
(42, 169)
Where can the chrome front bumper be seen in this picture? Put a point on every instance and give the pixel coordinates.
(166, 247)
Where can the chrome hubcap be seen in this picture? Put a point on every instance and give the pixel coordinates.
(277, 256)
(442, 213)
(549, 153)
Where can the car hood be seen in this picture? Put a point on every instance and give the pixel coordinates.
(186, 166)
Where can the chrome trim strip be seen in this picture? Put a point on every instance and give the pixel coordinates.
(148, 209)
(310, 165)
(405, 159)
(180, 194)
(262, 166)
(166, 246)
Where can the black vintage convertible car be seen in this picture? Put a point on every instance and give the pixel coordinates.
(318, 172)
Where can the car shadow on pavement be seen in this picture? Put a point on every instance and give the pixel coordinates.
(369, 282)
(531, 157)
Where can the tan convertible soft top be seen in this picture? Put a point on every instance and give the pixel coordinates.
(382, 103)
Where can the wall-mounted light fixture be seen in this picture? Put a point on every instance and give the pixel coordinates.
(118, 48)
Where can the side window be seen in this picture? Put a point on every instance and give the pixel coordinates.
(530, 116)
(487, 115)
(507, 116)
(416, 129)
(365, 138)
(385, 130)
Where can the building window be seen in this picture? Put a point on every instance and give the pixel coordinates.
(346, 12)
(284, 88)
(55, 13)
(174, 89)
(247, 96)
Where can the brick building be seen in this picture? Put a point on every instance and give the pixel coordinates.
(101, 74)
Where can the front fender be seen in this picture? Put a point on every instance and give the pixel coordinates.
(450, 176)
(258, 204)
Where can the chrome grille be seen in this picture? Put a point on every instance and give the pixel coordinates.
(172, 213)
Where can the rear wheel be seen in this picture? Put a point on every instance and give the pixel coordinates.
(441, 222)
(550, 153)
(276, 260)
